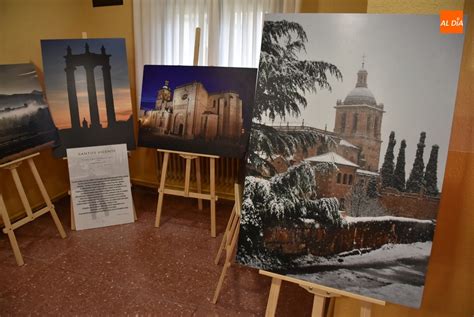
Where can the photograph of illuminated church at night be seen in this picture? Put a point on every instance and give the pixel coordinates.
(88, 92)
(196, 109)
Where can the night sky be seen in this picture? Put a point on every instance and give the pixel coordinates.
(214, 79)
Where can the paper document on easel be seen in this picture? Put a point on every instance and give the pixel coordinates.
(100, 186)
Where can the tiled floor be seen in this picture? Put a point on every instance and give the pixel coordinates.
(134, 269)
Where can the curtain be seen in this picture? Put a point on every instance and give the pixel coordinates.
(231, 31)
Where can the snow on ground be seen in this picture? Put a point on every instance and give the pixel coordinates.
(384, 218)
(388, 252)
(394, 273)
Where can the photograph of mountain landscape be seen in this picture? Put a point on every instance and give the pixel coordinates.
(88, 92)
(25, 122)
(348, 149)
(197, 109)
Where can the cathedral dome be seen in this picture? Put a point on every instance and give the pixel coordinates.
(360, 96)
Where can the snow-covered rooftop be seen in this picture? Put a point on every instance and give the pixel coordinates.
(331, 157)
(366, 172)
(346, 143)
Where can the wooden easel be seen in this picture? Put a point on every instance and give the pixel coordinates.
(186, 192)
(30, 215)
(321, 293)
(189, 157)
(229, 240)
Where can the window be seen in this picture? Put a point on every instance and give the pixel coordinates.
(338, 178)
(376, 124)
(369, 123)
(355, 121)
(341, 203)
(343, 122)
(344, 179)
(350, 179)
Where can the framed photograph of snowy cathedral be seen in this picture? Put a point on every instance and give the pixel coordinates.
(197, 109)
(348, 146)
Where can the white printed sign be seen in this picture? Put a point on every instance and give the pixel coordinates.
(100, 186)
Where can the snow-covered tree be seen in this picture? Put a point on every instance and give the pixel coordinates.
(359, 204)
(267, 142)
(431, 178)
(283, 77)
(415, 181)
(286, 199)
(372, 191)
(387, 167)
(399, 173)
(283, 80)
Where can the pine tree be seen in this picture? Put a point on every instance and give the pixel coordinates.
(387, 167)
(372, 191)
(431, 179)
(415, 181)
(283, 80)
(399, 173)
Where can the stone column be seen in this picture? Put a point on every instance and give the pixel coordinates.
(91, 92)
(72, 95)
(109, 97)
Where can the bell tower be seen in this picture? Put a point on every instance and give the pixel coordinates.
(359, 121)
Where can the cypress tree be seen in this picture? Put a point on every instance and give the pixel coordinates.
(387, 167)
(415, 181)
(399, 173)
(372, 188)
(431, 178)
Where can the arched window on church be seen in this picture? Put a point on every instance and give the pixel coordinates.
(214, 103)
(376, 124)
(350, 179)
(341, 204)
(343, 122)
(338, 178)
(369, 123)
(344, 179)
(355, 121)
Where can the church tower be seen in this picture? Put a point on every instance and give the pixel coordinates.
(359, 121)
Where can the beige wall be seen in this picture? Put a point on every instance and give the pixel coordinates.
(23, 23)
(448, 290)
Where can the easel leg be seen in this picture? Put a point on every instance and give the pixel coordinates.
(319, 304)
(225, 236)
(9, 231)
(213, 196)
(21, 192)
(273, 297)
(161, 190)
(220, 282)
(365, 309)
(71, 208)
(198, 181)
(187, 177)
(46, 198)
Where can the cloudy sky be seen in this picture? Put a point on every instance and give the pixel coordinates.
(412, 69)
(18, 79)
(55, 77)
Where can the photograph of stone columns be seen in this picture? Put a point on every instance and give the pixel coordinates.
(88, 91)
(197, 109)
(26, 125)
(348, 148)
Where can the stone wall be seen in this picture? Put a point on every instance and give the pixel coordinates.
(353, 235)
(409, 205)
